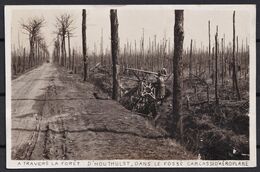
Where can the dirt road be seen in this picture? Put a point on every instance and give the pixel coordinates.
(56, 116)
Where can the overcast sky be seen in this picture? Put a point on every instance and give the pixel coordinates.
(155, 21)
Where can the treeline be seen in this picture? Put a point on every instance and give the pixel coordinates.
(21, 59)
(24, 59)
(220, 63)
(156, 54)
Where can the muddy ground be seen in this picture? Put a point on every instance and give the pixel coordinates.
(56, 116)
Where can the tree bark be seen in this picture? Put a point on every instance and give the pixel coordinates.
(209, 62)
(177, 68)
(63, 50)
(31, 55)
(24, 67)
(222, 62)
(84, 46)
(190, 62)
(69, 63)
(216, 67)
(115, 52)
(101, 49)
(73, 60)
(235, 84)
(212, 68)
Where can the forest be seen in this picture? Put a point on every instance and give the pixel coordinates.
(206, 102)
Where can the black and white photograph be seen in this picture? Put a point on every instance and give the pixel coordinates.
(138, 86)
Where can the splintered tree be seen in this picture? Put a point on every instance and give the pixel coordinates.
(216, 66)
(115, 52)
(101, 49)
(84, 45)
(177, 68)
(33, 27)
(235, 84)
(222, 61)
(190, 62)
(209, 63)
(69, 63)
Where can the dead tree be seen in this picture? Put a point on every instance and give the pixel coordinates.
(63, 25)
(209, 49)
(69, 63)
(38, 42)
(190, 62)
(216, 67)
(33, 27)
(222, 62)
(212, 68)
(225, 54)
(177, 69)
(69, 35)
(237, 58)
(24, 67)
(73, 61)
(114, 52)
(84, 45)
(101, 49)
(235, 83)
(57, 49)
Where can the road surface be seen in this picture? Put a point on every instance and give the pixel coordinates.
(55, 116)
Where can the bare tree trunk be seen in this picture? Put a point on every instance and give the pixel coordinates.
(212, 68)
(31, 54)
(62, 50)
(18, 63)
(94, 54)
(84, 46)
(58, 50)
(69, 63)
(222, 61)
(237, 58)
(235, 84)
(225, 58)
(36, 51)
(177, 69)
(209, 62)
(190, 62)
(242, 61)
(73, 60)
(114, 52)
(216, 67)
(101, 49)
(142, 51)
(24, 67)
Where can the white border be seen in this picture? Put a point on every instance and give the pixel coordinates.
(14, 164)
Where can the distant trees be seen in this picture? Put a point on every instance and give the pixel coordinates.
(24, 58)
(177, 67)
(64, 28)
(33, 27)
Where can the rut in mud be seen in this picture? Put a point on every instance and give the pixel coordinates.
(69, 122)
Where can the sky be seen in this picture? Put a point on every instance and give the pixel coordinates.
(132, 21)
